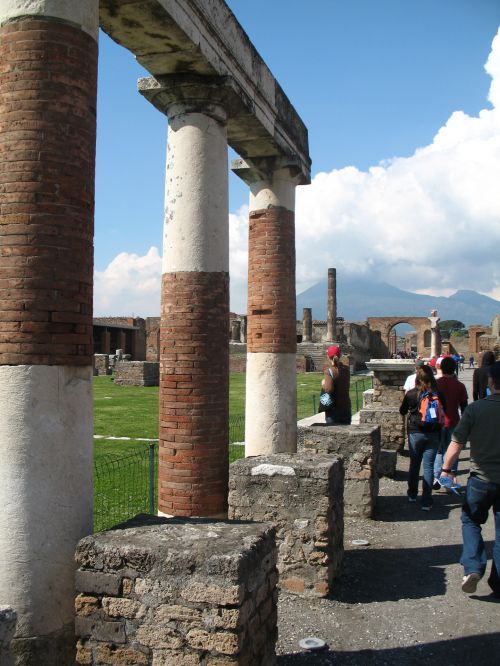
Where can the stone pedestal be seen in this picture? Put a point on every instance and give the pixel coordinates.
(388, 380)
(359, 446)
(101, 364)
(137, 373)
(303, 496)
(8, 619)
(160, 592)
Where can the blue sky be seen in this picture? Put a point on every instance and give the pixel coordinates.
(374, 81)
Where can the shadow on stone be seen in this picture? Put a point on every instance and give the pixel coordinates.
(481, 649)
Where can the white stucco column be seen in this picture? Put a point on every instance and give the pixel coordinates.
(46, 445)
(271, 404)
(194, 331)
(435, 334)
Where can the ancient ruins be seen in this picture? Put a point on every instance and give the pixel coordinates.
(160, 590)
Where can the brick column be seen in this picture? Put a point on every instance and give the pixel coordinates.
(307, 325)
(271, 409)
(48, 52)
(331, 322)
(194, 330)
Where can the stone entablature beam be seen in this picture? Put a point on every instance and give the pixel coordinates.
(203, 38)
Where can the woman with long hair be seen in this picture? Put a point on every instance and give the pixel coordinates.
(425, 407)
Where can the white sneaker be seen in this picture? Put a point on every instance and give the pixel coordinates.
(469, 582)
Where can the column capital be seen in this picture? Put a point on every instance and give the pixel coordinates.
(176, 94)
(267, 168)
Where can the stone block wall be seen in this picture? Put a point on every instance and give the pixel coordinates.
(392, 425)
(101, 364)
(302, 495)
(137, 373)
(159, 592)
(388, 388)
(360, 447)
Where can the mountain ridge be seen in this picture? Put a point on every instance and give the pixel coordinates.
(359, 298)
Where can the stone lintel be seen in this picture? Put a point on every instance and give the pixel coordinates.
(391, 365)
(204, 38)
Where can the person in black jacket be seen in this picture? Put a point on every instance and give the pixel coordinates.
(423, 435)
(480, 376)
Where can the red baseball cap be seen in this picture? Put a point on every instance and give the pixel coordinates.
(334, 350)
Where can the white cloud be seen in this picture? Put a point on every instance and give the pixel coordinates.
(428, 223)
(129, 285)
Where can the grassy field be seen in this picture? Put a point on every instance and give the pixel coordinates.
(123, 475)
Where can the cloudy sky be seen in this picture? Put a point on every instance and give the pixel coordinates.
(402, 103)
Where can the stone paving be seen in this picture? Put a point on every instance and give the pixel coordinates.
(399, 600)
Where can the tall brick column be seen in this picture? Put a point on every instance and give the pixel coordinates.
(194, 330)
(271, 405)
(48, 56)
(331, 320)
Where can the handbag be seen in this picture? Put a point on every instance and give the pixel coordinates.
(326, 401)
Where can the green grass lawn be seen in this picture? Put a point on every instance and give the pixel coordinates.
(122, 479)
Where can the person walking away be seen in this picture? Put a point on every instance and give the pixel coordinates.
(455, 395)
(471, 361)
(480, 425)
(480, 376)
(425, 407)
(336, 382)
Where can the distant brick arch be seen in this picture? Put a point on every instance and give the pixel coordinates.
(384, 325)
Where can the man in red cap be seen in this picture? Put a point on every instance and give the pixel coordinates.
(336, 382)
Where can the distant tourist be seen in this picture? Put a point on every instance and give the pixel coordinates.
(455, 395)
(480, 376)
(424, 406)
(471, 362)
(336, 383)
(462, 362)
(480, 425)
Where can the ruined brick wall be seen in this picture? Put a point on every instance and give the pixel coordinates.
(158, 592)
(47, 211)
(153, 339)
(302, 495)
(101, 364)
(237, 363)
(137, 373)
(359, 446)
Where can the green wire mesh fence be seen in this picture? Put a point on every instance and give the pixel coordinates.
(127, 485)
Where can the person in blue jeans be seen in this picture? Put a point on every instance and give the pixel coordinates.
(480, 425)
(423, 436)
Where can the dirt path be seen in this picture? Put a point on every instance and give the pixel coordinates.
(399, 600)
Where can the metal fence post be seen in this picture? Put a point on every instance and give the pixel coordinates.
(314, 404)
(152, 478)
(357, 395)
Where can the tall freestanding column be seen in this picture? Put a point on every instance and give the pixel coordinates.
(48, 52)
(331, 323)
(307, 325)
(435, 334)
(271, 410)
(194, 329)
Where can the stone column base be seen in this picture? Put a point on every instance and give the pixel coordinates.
(179, 591)
(55, 648)
(360, 447)
(303, 496)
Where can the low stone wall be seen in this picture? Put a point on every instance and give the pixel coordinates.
(137, 373)
(360, 447)
(392, 425)
(101, 364)
(162, 592)
(237, 363)
(8, 619)
(302, 495)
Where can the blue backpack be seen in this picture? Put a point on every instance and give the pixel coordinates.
(430, 408)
